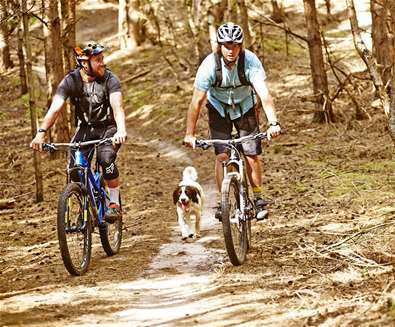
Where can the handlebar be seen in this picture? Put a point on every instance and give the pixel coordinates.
(205, 144)
(51, 147)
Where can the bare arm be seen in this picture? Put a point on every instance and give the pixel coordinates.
(50, 118)
(197, 101)
(268, 106)
(119, 116)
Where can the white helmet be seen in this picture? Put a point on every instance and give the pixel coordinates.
(229, 32)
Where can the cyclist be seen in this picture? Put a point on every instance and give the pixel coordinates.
(95, 93)
(231, 79)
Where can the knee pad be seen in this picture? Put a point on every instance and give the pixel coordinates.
(110, 171)
(107, 162)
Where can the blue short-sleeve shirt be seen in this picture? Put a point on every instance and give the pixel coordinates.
(231, 97)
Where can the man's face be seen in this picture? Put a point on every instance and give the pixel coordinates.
(230, 51)
(97, 65)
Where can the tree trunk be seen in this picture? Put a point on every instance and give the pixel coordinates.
(194, 17)
(33, 113)
(215, 17)
(328, 7)
(137, 22)
(391, 120)
(277, 14)
(323, 105)
(125, 38)
(366, 56)
(55, 60)
(5, 56)
(244, 22)
(21, 58)
(381, 43)
(68, 33)
(69, 42)
(232, 15)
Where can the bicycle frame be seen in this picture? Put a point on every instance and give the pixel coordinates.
(91, 181)
(236, 159)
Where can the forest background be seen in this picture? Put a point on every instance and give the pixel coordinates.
(327, 255)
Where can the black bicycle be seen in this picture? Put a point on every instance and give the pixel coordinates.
(237, 206)
(81, 208)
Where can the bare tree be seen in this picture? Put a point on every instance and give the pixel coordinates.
(244, 22)
(194, 26)
(277, 14)
(33, 113)
(21, 58)
(382, 45)
(328, 6)
(391, 120)
(215, 17)
(5, 56)
(126, 37)
(320, 81)
(367, 57)
(61, 132)
(68, 33)
(231, 14)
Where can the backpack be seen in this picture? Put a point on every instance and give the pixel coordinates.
(240, 71)
(78, 92)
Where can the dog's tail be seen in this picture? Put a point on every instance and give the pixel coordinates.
(190, 173)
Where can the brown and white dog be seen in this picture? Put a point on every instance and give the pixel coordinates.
(188, 198)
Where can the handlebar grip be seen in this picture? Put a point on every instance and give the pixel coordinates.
(201, 144)
(49, 147)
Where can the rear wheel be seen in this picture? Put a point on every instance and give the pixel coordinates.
(234, 228)
(111, 234)
(74, 229)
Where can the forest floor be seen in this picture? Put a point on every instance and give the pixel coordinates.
(325, 257)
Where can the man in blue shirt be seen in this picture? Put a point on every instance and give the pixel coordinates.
(231, 102)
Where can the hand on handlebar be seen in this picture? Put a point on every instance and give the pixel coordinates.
(37, 143)
(189, 141)
(273, 131)
(119, 137)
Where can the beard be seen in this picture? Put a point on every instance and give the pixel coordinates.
(99, 71)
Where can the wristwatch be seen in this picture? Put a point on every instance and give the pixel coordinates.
(276, 123)
(42, 130)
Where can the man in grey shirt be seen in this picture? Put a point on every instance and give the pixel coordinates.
(95, 93)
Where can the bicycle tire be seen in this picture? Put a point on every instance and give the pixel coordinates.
(69, 218)
(235, 233)
(111, 234)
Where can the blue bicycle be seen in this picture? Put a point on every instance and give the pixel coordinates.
(81, 208)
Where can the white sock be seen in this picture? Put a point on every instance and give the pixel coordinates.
(114, 194)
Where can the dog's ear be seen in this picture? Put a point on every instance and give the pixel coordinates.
(176, 194)
(192, 193)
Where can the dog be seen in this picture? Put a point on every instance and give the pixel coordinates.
(188, 198)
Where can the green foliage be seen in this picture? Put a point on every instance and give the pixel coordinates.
(2, 116)
(277, 44)
(391, 304)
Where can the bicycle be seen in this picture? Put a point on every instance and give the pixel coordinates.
(81, 208)
(238, 209)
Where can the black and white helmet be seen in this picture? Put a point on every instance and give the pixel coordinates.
(229, 32)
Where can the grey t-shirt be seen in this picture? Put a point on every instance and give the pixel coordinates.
(91, 99)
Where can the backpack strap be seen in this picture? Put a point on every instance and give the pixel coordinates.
(218, 70)
(241, 69)
(77, 92)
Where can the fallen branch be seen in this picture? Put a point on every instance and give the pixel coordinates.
(7, 203)
(332, 246)
(131, 78)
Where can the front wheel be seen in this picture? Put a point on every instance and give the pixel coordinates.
(234, 227)
(111, 234)
(74, 229)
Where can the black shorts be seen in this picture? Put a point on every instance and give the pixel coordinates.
(106, 153)
(221, 128)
